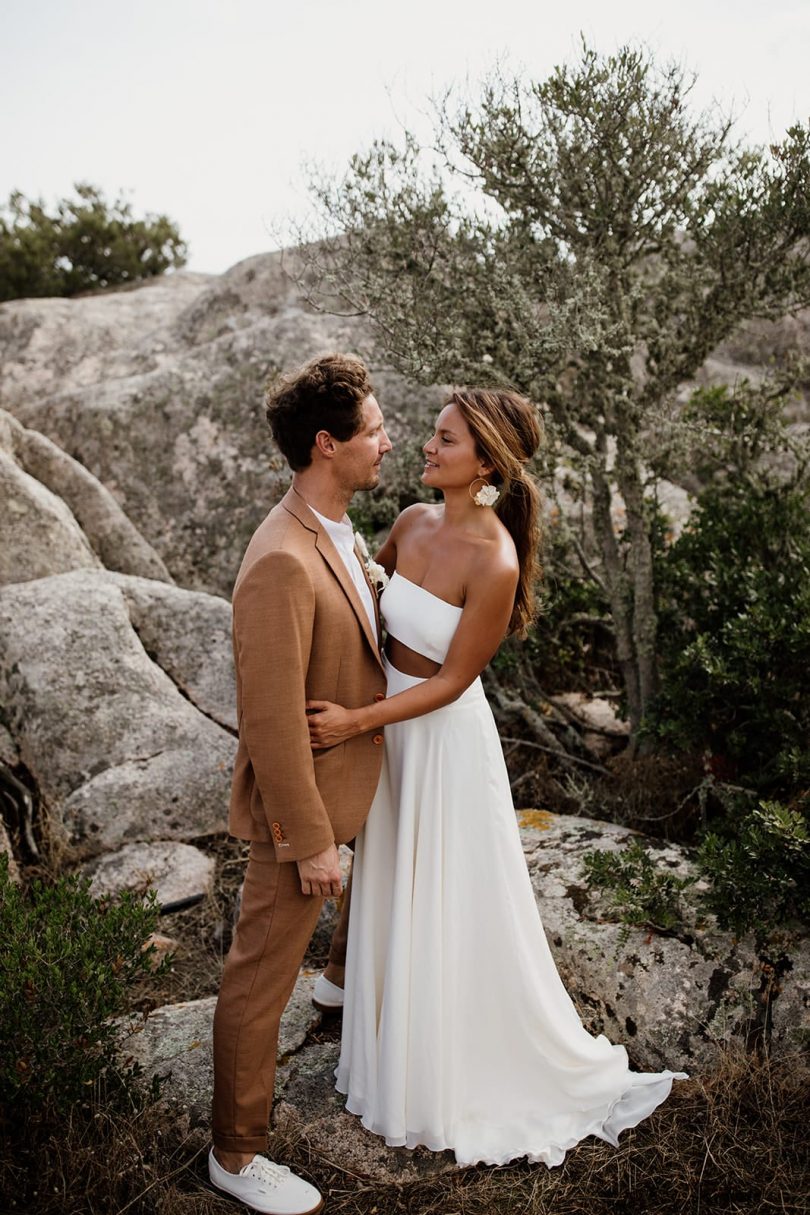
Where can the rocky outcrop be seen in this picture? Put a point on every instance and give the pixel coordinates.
(38, 534)
(309, 1105)
(159, 392)
(57, 516)
(188, 635)
(670, 999)
(601, 727)
(7, 851)
(174, 872)
(120, 748)
(175, 1042)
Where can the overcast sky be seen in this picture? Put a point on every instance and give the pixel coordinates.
(208, 109)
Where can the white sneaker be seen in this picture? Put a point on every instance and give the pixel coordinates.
(326, 995)
(266, 1187)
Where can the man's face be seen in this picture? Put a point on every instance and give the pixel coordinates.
(357, 462)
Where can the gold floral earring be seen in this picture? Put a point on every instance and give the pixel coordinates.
(487, 495)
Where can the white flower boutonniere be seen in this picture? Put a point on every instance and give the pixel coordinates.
(376, 573)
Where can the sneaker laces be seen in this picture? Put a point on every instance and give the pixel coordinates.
(266, 1171)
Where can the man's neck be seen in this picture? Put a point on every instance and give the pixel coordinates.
(327, 499)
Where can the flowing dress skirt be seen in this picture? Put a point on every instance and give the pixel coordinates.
(457, 1030)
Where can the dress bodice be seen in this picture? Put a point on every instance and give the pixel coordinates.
(418, 618)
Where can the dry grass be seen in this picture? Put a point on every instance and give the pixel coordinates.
(734, 1141)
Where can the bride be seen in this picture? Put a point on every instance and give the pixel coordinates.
(457, 1030)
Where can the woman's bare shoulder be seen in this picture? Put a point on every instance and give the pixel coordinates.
(496, 563)
(416, 515)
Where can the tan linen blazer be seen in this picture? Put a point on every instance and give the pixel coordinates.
(300, 632)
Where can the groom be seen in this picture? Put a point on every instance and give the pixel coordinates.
(305, 626)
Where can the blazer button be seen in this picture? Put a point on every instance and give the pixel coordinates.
(377, 739)
(380, 696)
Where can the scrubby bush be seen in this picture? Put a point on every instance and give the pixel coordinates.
(572, 644)
(756, 860)
(735, 652)
(758, 864)
(734, 604)
(734, 616)
(66, 968)
(644, 894)
(84, 244)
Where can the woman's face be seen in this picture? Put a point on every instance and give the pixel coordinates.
(452, 461)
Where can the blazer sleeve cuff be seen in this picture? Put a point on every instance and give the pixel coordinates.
(300, 844)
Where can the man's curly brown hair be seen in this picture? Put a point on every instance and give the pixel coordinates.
(327, 393)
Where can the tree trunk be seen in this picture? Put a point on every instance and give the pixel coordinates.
(619, 592)
(644, 619)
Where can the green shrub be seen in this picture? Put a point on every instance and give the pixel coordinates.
(571, 644)
(643, 895)
(734, 603)
(67, 964)
(85, 244)
(736, 639)
(758, 866)
(734, 649)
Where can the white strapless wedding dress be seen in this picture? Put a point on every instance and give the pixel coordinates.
(457, 1030)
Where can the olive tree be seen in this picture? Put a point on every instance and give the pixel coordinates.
(587, 239)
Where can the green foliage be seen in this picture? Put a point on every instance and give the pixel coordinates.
(67, 964)
(541, 230)
(734, 601)
(758, 864)
(85, 244)
(643, 894)
(571, 643)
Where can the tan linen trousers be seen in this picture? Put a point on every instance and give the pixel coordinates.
(275, 925)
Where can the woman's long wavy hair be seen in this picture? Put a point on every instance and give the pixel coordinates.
(507, 431)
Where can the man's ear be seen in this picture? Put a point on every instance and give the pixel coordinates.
(325, 444)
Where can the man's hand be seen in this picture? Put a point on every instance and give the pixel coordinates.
(320, 874)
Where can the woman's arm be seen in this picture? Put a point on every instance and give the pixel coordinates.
(387, 555)
(484, 621)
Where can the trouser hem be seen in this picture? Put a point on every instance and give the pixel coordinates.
(240, 1143)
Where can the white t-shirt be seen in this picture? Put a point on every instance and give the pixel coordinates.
(342, 536)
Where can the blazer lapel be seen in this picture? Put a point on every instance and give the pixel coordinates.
(374, 596)
(296, 505)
